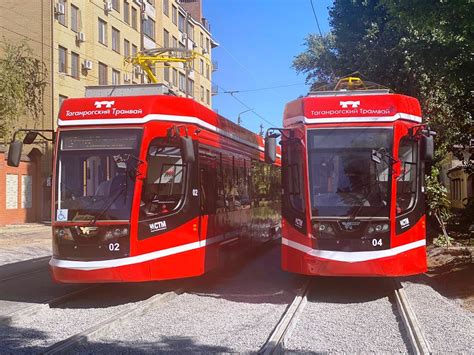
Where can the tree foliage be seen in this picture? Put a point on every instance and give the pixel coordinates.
(419, 48)
(22, 86)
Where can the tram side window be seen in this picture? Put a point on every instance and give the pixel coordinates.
(292, 175)
(406, 182)
(164, 187)
(220, 203)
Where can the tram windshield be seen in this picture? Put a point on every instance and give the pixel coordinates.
(344, 180)
(96, 172)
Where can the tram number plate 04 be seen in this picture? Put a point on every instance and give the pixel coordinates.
(377, 242)
(114, 246)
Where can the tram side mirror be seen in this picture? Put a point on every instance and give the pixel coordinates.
(427, 146)
(376, 156)
(270, 149)
(30, 137)
(14, 153)
(187, 150)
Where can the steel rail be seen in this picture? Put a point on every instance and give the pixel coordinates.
(276, 341)
(103, 326)
(33, 309)
(415, 334)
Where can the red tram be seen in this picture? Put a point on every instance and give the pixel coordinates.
(352, 175)
(155, 187)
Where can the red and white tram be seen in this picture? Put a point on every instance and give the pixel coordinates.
(155, 187)
(352, 175)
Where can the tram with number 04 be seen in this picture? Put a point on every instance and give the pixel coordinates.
(353, 166)
(155, 187)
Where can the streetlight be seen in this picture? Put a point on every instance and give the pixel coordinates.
(239, 121)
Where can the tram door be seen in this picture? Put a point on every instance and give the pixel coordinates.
(208, 221)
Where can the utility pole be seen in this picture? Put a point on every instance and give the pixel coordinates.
(239, 120)
(261, 130)
(186, 67)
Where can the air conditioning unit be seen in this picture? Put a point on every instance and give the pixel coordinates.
(204, 51)
(59, 9)
(184, 36)
(80, 37)
(144, 16)
(108, 6)
(87, 64)
(126, 78)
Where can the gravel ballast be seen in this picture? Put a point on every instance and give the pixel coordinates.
(447, 327)
(232, 313)
(348, 316)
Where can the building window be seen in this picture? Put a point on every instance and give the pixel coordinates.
(75, 65)
(191, 87)
(190, 31)
(201, 66)
(208, 97)
(134, 18)
(134, 50)
(116, 5)
(102, 31)
(62, 60)
(208, 71)
(202, 40)
(166, 8)
(102, 74)
(203, 92)
(182, 82)
(166, 74)
(166, 38)
(126, 48)
(115, 40)
(174, 15)
(175, 77)
(207, 45)
(181, 22)
(149, 28)
(126, 12)
(62, 17)
(115, 77)
(74, 18)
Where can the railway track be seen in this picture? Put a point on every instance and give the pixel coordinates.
(133, 310)
(282, 332)
(36, 266)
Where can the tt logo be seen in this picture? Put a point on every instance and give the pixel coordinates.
(107, 104)
(350, 225)
(346, 104)
(87, 230)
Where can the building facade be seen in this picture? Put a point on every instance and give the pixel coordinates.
(85, 43)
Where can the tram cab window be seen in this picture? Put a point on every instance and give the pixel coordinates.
(406, 182)
(164, 187)
(292, 174)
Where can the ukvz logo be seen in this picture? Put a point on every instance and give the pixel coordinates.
(107, 104)
(404, 223)
(346, 104)
(157, 226)
(299, 222)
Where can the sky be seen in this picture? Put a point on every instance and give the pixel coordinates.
(258, 40)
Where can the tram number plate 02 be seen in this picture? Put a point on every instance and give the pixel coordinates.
(114, 246)
(377, 242)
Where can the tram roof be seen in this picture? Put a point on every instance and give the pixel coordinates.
(352, 106)
(148, 108)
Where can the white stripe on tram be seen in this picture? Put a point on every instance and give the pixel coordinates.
(105, 264)
(354, 256)
(302, 119)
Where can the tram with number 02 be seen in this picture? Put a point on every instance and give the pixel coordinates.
(353, 166)
(155, 187)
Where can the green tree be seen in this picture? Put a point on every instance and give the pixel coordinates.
(22, 87)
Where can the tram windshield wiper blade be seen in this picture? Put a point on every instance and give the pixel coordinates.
(119, 192)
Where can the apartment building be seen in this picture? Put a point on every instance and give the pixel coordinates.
(84, 43)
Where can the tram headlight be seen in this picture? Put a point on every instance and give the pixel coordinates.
(385, 227)
(63, 234)
(323, 228)
(371, 230)
(116, 232)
